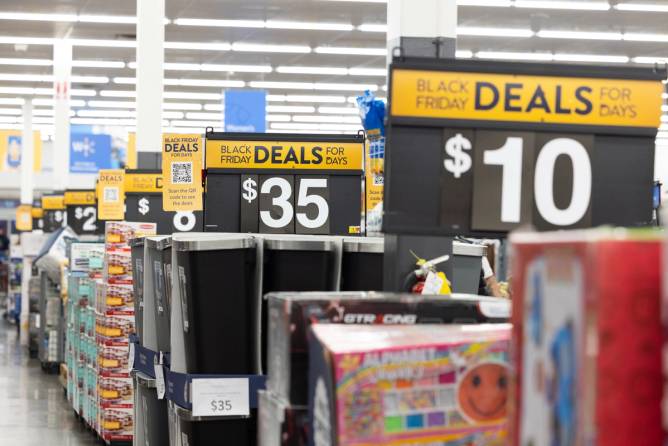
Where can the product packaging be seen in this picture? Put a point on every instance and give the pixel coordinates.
(431, 385)
(587, 338)
(291, 314)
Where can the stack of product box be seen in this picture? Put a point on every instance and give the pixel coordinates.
(85, 267)
(114, 323)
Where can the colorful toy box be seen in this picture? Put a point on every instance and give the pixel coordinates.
(419, 384)
(587, 339)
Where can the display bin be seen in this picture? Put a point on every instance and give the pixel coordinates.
(362, 264)
(291, 314)
(297, 263)
(467, 266)
(151, 414)
(137, 252)
(158, 257)
(153, 297)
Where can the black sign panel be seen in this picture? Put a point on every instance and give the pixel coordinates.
(82, 218)
(482, 177)
(299, 200)
(147, 207)
(54, 219)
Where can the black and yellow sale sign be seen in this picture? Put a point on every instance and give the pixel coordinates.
(79, 197)
(55, 216)
(526, 98)
(111, 194)
(284, 155)
(24, 217)
(82, 211)
(182, 160)
(53, 202)
(300, 184)
(138, 181)
(480, 148)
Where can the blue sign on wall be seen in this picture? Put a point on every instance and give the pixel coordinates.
(89, 153)
(246, 111)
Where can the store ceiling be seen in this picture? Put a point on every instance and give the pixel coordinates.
(623, 37)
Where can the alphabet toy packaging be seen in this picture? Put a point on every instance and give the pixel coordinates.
(587, 339)
(444, 385)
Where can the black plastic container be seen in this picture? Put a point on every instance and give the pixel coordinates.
(155, 262)
(362, 264)
(137, 252)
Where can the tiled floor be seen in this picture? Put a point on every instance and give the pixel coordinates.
(33, 409)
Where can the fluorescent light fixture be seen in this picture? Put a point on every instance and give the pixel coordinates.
(664, 118)
(105, 43)
(13, 40)
(38, 17)
(550, 4)
(290, 109)
(664, 95)
(48, 112)
(80, 92)
(282, 85)
(307, 98)
(201, 124)
(12, 101)
(108, 19)
(265, 48)
(181, 106)
(89, 79)
(664, 108)
(650, 60)
(278, 118)
(493, 32)
(220, 23)
(30, 62)
(125, 80)
(344, 87)
(590, 58)
(373, 27)
(353, 99)
(49, 102)
(338, 110)
(107, 113)
(98, 64)
(11, 111)
(635, 37)
(313, 26)
(205, 116)
(361, 71)
(237, 68)
(178, 66)
(492, 3)
(42, 91)
(310, 126)
(463, 54)
(191, 95)
(213, 107)
(351, 51)
(328, 119)
(579, 35)
(209, 46)
(111, 104)
(332, 71)
(641, 7)
(503, 55)
(117, 94)
(221, 83)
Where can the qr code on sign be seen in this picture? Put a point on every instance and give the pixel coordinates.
(111, 194)
(182, 173)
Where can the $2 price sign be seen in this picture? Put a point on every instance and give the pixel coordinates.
(220, 397)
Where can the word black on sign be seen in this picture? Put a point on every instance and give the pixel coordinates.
(296, 185)
(481, 149)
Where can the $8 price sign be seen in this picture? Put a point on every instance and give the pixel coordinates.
(285, 204)
(520, 178)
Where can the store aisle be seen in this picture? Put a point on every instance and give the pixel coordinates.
(33, 409)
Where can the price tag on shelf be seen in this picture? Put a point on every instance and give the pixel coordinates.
(160, 380)
(212, 397)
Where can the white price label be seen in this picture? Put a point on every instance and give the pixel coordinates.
(131, 356)
(160, 380)
(432, 284)
(220, 397)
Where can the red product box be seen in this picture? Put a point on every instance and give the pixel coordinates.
(587, 338)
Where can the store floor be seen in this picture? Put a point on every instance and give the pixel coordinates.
(33, 409)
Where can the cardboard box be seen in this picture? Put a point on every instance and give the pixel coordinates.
(420, 384)
(291, 314)
(118, 234)
(588, 338)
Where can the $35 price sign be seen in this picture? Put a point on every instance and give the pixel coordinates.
(213, 397)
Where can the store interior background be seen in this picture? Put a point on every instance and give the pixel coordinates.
(211, 46)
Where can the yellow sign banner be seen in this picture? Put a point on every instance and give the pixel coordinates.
(111, 195)
(182, 159)
(37, 213)
(520, 98)
(286, 155)
(79, 197)
(11, 150)
(24, 217)
(143, 182)
(53, 202)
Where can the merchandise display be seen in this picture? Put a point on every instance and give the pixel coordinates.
(422, 384)
(571, 327)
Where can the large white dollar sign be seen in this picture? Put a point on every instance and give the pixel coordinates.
(461, 161)
(143, 206)
(250, 186)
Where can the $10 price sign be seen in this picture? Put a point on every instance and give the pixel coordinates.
(296, 185)
(479, 149)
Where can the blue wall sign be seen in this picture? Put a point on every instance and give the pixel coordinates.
(89, 153)
(246, 111)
